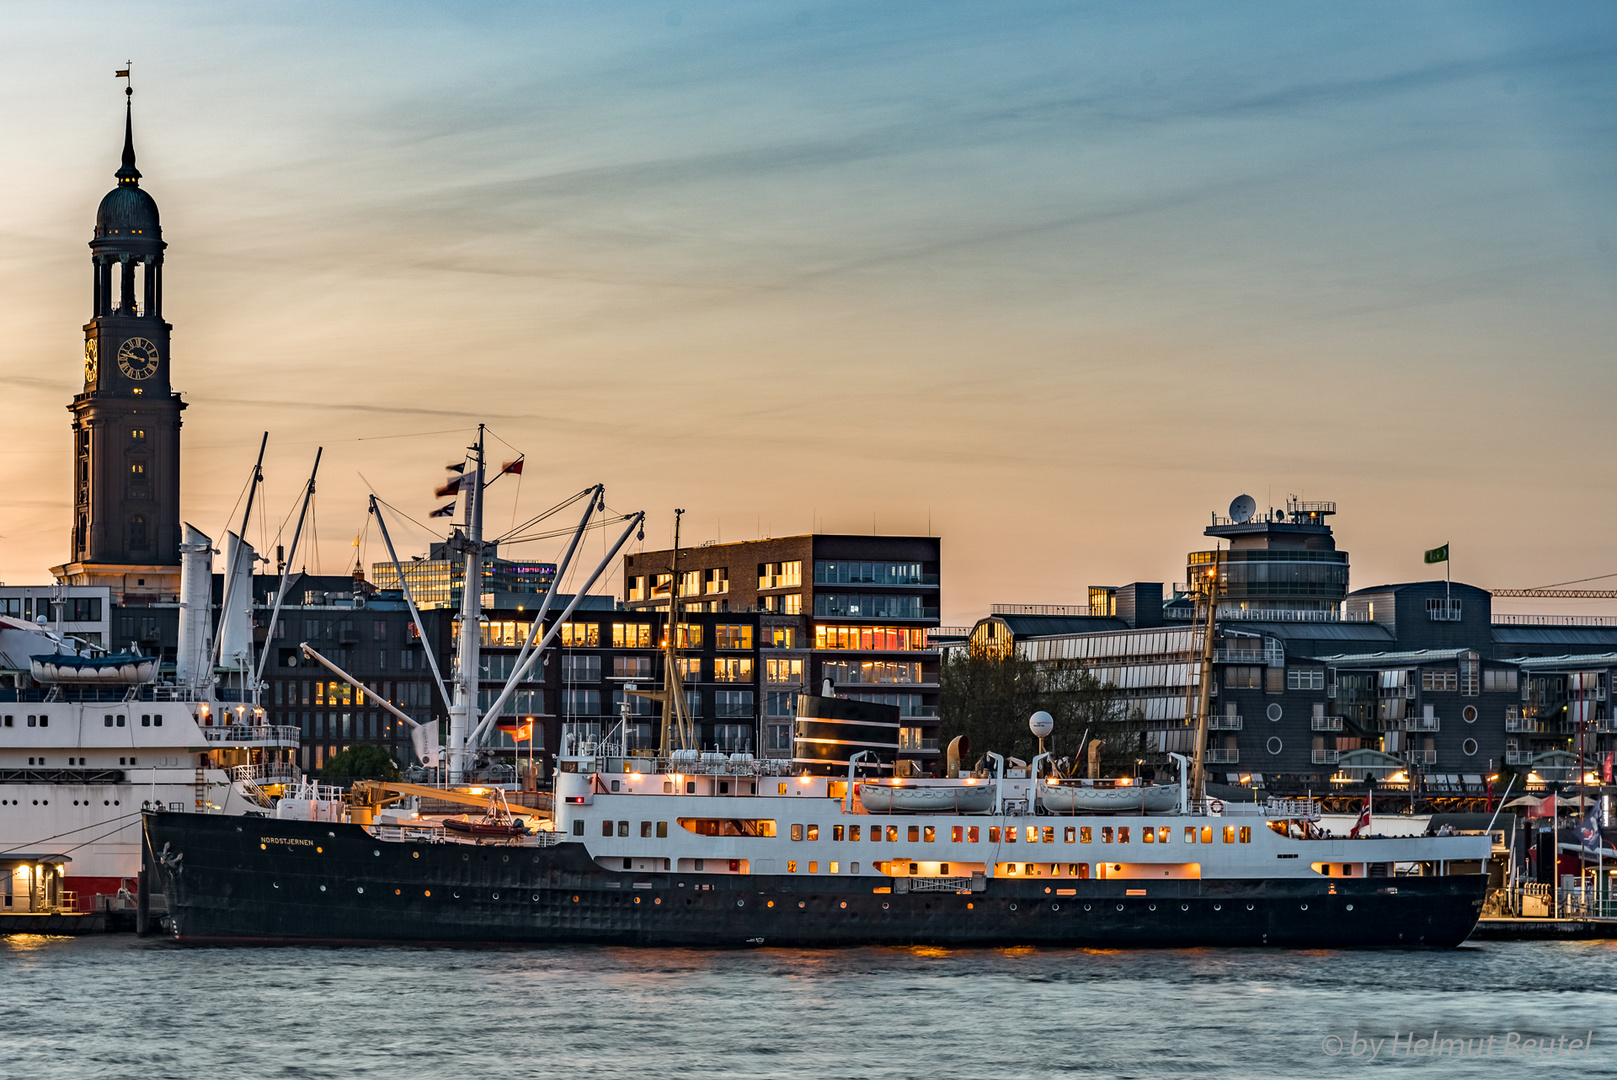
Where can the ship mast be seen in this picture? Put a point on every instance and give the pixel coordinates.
(1198, 693)
(463, 710)
(676, 726)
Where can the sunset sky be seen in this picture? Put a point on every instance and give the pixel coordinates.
(1052, 280)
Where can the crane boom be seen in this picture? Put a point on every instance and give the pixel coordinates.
(1560, 594)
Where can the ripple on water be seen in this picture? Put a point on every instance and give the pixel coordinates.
(117, 1007)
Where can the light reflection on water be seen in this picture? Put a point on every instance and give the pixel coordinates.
(118, 1007)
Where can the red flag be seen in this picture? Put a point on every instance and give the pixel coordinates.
(1544, 807)
(444, 511)
(452, 487)
(519, 730)
(1363, 822)
(1605, 767)
(511, 467)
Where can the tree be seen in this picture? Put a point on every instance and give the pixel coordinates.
(361, 763)
(988, 695)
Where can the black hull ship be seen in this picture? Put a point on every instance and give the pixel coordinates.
(268, 880)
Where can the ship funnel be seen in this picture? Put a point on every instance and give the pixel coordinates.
(959, 747)
(191, 661)
(236, 638)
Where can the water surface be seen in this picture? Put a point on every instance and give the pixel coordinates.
(122, 1007)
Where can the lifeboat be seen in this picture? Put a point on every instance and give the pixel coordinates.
(1106, 797)
(971, 796)
(482, 826)
(114, 669)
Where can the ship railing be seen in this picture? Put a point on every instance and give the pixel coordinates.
(284, 734)
(1296, 809)
(270, 771)
(940, 884)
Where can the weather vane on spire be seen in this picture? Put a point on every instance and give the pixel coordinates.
(129, 88)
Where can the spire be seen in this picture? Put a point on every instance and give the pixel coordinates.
(129, 174)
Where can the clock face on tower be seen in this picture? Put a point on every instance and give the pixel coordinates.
(137, 358)
(89, 362)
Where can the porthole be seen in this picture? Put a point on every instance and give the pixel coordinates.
(801, 904)
(1151, 907)
(1184, 907)
(360, 890)
(658, 900)
(884, 906)
(1274, 711)
(1305, 907)
(1350, 907)
(536, 898)
(1218, 907)
(1470, 747)
(1469, 714)
(1013, 907)
(378, 851)
(497, 896)
(322, 888)
(1274, 745)
(636, 899)
(769, 903)
(1120, 907)
(844, 904)
(1086, 907)
(1055, 907)
(1249, 907)
(741, 903)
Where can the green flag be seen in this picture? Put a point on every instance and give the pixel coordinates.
(1438, 554)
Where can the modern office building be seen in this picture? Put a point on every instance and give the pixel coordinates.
(854, 611)
(1317, 687)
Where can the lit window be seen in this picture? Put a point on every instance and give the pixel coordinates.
(955, 833)
(791, 866)
(1106, 834)
(1122, 834)
(138, 434)
(929, 834)
(814, 868)
(581, 635)
(833, 868)
(971, 834)
(1010, 834)
(1148, 836)
(1190, 834)
(1049, 834)
(1084, 835)
(1069, 835)
(1162, 834)
(1083, 870)
(627, 636)
(1229, 834)
(813, 832)
(853, 833)
(836, 832)
(892, 834)
(993, 834)
(1246, 834)
(1207, 834)
(797, 832)
(1033, 834)
(914, 835)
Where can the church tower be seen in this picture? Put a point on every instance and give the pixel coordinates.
(126, 423)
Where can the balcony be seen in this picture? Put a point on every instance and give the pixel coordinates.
(1420, 723)
(1224, 723)
(1526, 725)
(1518, 757)
(1223, 757)
(1327, 757)
(1421, 757)
(1325, 723)
(271, 734)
